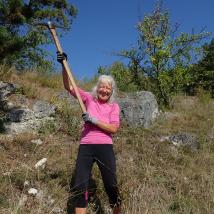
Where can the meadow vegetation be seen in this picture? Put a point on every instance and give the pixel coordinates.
(154, 176)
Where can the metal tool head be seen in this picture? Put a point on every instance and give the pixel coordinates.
(49, 25)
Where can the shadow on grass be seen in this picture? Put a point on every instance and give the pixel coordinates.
(2, 128)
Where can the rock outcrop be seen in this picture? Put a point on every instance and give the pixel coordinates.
(183, 139)
(18, 119)
(6, 89)
(139, 108)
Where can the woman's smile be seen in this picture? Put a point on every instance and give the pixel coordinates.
(104, 91)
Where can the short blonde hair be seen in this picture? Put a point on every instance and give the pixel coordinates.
(109, 79)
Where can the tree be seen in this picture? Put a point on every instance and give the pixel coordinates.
(121, 74)
(202, 73)
(160, 55)
(20, 41)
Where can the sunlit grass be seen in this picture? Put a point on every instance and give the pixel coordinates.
(153, 176)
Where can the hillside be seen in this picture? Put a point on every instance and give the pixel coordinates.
(154, 175)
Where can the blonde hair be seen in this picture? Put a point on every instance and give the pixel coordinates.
(109, 79)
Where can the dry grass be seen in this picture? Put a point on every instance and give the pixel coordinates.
(36, 86)
(154, 176)
(18, 159)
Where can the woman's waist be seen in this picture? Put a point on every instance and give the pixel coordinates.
(96, 136)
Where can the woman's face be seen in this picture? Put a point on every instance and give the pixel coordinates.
(104, 91)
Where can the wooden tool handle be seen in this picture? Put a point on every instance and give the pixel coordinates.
(67, 69)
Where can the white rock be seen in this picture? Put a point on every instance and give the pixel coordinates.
(37, 142)
(32, 191)
(26, 183)
(41, 163)
(164, 138)
(176, 143)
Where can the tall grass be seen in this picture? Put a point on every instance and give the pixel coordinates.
(154, 176)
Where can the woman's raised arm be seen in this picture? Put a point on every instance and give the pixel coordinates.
(66, 81)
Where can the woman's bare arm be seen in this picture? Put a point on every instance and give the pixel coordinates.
(111, 128)
(66, 81)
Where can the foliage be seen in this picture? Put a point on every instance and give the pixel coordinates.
(20, 41)
(202, 73)
(121, 74)
(69, 117)
(161, 55)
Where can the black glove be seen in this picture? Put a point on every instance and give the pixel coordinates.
(61, 56)
(87, 118)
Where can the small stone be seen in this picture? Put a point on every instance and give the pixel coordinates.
(33, 191)
(164, 138)
(37, 142)
(26, 183)
(185, 139)
(41, 163)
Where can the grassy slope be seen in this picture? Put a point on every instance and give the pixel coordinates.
(154, 176)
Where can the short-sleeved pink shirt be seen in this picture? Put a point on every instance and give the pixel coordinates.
(105, 112)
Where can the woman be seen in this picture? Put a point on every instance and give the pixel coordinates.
(101, 121)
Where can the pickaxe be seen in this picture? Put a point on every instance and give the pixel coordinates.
(52, 29)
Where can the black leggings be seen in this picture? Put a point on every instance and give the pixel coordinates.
(103, 155)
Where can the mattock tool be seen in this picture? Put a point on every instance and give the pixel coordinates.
(52, 29)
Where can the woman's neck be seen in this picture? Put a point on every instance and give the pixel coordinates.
(102, 101)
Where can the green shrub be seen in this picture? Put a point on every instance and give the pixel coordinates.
(48, 127)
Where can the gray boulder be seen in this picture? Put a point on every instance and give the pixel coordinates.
(20, 115)
(43, 109)
(64, 95)
(185, 139)
(139, 108)
(6, 89)
(24, 119)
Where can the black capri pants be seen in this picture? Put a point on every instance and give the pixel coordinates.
(103, 155)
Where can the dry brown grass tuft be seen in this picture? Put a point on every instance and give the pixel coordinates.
(154, 177)
(18, 158)
(6, 72)
(37, 86)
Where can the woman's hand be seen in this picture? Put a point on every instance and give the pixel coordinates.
(111, 128)
(87, 118)
(61, 56)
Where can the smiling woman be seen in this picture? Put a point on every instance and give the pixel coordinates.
(101, 121)
(105, 89)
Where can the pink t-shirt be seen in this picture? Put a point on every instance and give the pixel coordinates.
(105, 112)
